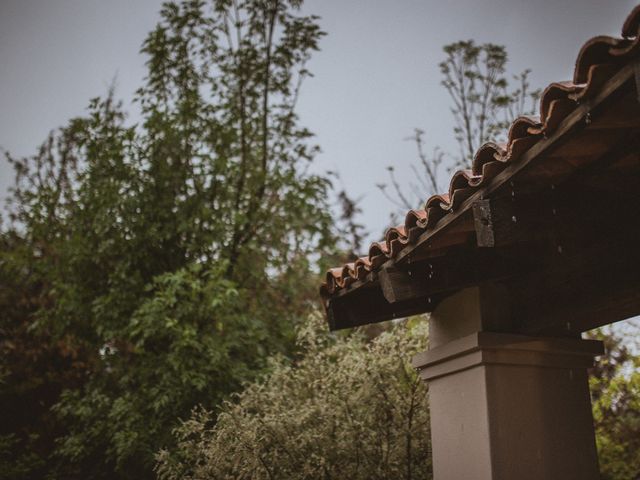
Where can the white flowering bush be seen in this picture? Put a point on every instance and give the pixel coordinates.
(348, 407)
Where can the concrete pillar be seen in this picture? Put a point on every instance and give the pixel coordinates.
(506, 406)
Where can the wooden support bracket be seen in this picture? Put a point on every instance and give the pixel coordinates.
(453, 271)
(370, 306)
(400, 284)
(483, 223)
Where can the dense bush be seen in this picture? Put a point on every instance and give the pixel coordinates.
(615, 392)
(347, 408)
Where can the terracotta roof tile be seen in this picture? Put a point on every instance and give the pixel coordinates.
(598, 60)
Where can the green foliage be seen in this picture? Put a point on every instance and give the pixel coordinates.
(346, 408)
(187, 342)
(34, 368)
(615, 393)
(154, 267)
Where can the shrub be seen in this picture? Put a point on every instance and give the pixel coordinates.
(347, 408)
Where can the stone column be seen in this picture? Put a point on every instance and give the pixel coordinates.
(506, 406)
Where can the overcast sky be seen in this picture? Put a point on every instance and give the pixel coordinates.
(376, 77)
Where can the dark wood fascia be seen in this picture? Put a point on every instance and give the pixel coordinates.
(365, 306)
(459, 268)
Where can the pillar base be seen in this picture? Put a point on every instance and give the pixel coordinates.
(509, 406)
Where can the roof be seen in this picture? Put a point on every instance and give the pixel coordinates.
(534, 145)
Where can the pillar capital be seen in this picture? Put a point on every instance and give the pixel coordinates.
(489, 348)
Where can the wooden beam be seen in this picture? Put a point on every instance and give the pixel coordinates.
(363, 307)
(556, 292)
(398, 285)
(459, 268)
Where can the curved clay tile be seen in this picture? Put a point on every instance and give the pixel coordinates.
(363, 264)
(556, 91)
(521, 125)
(558, 111)
(490, 170)
(395, 246)
(335, 272)
(378, 248)
(378, 254)
(460, 188)
(521, 145)
(631, 27)
(348, 275)
(396, 239)
(461, 179)
(361, 272)
(332, 278)
(394, 233)
(459, 196)
(434, 214)
(412, 218)
(486, 153)
(436, 201)
(625, 48)
(596, 77)
(597, 50)
(501, 152)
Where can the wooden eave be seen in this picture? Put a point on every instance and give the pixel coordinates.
(559, 227)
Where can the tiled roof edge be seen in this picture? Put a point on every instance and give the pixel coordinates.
(598, 59)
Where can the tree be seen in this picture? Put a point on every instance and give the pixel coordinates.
(165, 260)
(350, 230)
(346, 408)
(33, 370)
(615, 394)
(484, 103)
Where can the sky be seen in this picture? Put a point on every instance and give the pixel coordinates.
(375, 79)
